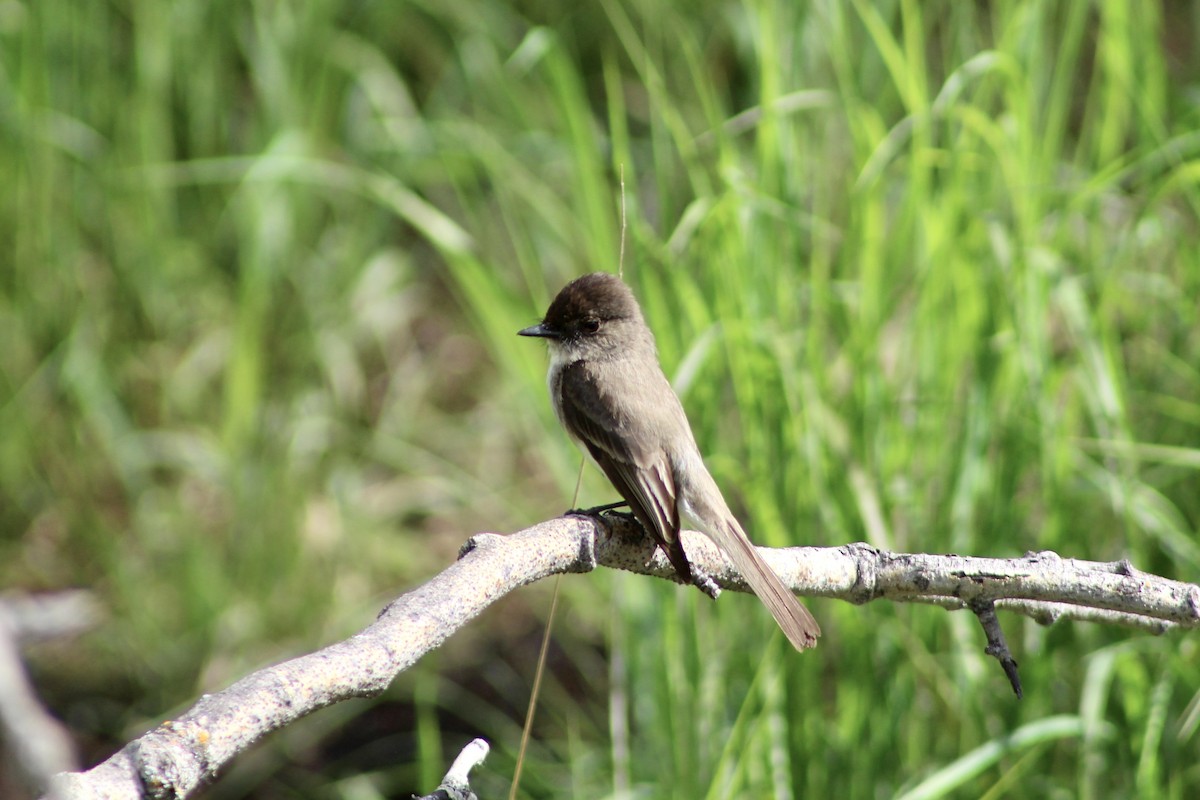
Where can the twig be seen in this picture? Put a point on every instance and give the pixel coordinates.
(179, 756)
(997, 647)
(457, 785)
(54, 615)
(39, 743)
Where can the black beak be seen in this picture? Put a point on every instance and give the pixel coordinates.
(538, 330)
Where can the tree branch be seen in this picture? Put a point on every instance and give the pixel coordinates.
(181, 755)
(457, 783)
(39, 744)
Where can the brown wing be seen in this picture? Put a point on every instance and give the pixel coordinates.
(629, 455)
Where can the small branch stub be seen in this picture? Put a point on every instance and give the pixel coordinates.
(457, 785)
(997, 646)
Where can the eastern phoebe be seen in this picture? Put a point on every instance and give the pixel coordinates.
(612, 397)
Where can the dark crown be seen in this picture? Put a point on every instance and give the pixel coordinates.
(600, 296)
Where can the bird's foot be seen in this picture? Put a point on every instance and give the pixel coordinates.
(604, 515)
(597, 511)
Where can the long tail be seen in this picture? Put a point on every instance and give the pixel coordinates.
(795, 620)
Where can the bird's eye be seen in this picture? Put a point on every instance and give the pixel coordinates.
(591, 325)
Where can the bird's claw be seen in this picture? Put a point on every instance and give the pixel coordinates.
(603, 514)
(597, 511)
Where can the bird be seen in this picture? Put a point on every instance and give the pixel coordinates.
(610, 394)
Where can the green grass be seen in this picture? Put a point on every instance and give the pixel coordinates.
(926, 275)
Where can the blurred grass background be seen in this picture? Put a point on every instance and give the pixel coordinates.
(926, 274)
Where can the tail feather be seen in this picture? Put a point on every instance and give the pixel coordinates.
(797, 623)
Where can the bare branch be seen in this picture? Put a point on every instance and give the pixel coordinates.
(39, 743)
(1048, 613)
(38, 617)
(997, 646)
(457, 784)
(1045, 585)
(182, 754)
